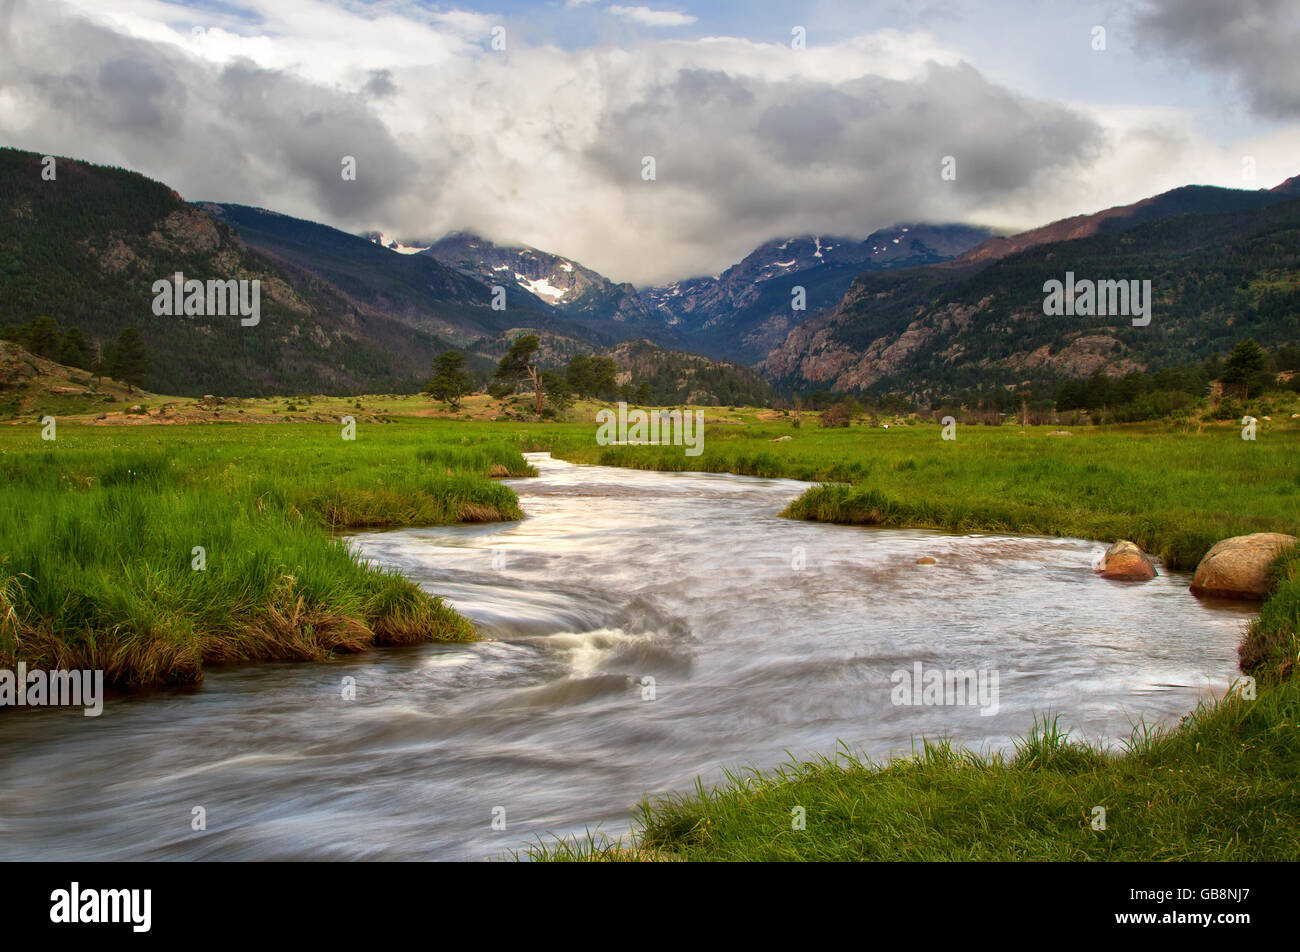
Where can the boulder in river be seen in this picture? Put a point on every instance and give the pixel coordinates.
(1238, 567)
(1125, 562)
(926, 560)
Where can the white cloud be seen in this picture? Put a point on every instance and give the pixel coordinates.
(648, 17)
(543, 145)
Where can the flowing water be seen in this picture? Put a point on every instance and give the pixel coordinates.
(642, 629)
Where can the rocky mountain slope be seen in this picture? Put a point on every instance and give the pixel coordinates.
(979, 322)
(740, 314)
(744, 312)
(578, 293)
(1187, 200)
(410, 287)
(678, 378)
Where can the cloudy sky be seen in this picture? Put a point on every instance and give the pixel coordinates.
(543, 141)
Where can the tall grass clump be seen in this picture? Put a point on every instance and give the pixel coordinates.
(154, 552)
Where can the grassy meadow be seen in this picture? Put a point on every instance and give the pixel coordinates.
(96, 552)
(98, 537)
(1175, 491)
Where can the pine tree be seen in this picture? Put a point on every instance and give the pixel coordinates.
(518, 364)
(42, 338)
(73, 349)
(128, 360)
(449, 382)
(1244, 365)
(578, 375)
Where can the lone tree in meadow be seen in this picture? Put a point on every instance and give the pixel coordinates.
(1244, 366)
(519, 364)
(449, 382)
(127, 360)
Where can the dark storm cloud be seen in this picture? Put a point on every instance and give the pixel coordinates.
(860, 154)
(140, 96)
(1256, 41)
(545, 146)
(233, 132)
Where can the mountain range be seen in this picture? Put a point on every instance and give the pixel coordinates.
(738, 315)
(921, 309)
(1223, 264)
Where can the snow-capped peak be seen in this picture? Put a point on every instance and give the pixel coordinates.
(392, 244)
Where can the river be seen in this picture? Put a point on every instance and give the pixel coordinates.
(641, 629)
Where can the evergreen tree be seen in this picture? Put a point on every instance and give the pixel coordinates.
(127, 360)
(578, 375)
(449, 382)
(73, 349)
(98, 366)
(1244, 366)
(558, 392)
(603, 374)
(518, 364)
(42, 338)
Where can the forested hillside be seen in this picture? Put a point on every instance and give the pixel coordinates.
(930, 332)
(86, 248)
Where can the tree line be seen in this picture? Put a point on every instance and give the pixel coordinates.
(126, 358)
(1246, 373)
(584, 376)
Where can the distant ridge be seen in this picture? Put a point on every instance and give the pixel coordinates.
(1187, 200)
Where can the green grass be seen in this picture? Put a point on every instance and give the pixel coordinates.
(99, 529)
(1173, 491)
(1224, 785)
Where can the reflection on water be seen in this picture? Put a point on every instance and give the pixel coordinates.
(641, 629)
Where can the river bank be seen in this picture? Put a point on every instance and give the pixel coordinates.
(151, 553)
(640, 629)
(1222, 785)
(287, 494)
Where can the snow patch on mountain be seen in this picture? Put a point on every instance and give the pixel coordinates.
(541, 287)
(392, 244)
